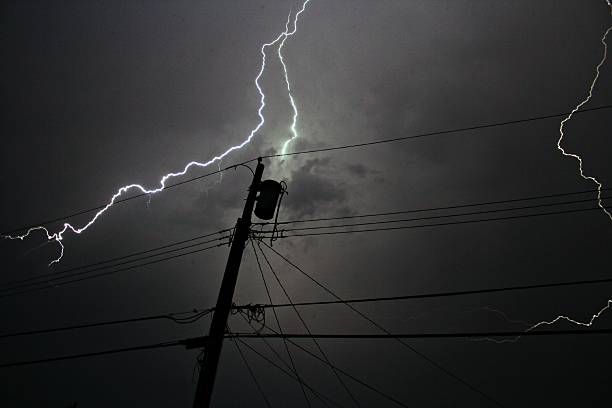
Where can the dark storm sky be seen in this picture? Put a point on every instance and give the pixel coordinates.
(96, 95)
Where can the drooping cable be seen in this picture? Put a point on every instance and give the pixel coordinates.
(279, 326)
(299, 315)
(352, 377)
(250, 370)
(81, 279)
(290, 374)
(383, 329)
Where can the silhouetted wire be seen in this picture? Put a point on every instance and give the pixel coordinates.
(241, 313)
(509, 333)
(297, 312)
(81, 212)
(281, 359)
(4, 295)
(118, 258)
(279, 325)
(93, 354)
(352, 377)
(288, 373)
(451, 207)
(440, 294)
(50, 277)
(350, 146)
(432, 217)
(436, 133)
(10, 284)
(55, 275)
(193, 316)
(200, 340)
(172, 316)
(250, 370)
(442, 224)
(383, 329)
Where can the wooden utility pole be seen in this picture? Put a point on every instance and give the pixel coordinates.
(212, 350)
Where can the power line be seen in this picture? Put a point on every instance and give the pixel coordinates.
(195, 342)
(452, 207)
(293, 366)
(376, 390)
(297, 312)
(436, 133)
(288, 373)
(172, 316)
(511, 333)
(437, 294)
(384, 330)
(118, 258)
(432, 217)
(56, 276)
(50, 277)
(123, 200)
(429, 225)
(109, 272)
(45, 276)
(364, 144)
(250, 370)
(193, 316)
(294, 376)
(94, 354)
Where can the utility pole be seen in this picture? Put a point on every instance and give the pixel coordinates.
(216, 333)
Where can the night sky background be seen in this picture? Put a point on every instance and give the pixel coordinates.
(96, 95)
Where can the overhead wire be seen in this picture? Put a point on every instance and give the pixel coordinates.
(383, 329)
(395, 336)
(293, 365)
(440, 294)
(196, 312)
(431, 217)
(352, 377)
(50, 277)
(114, 259)
(288, 373)
(452, 207)
(199, 340)
(55, 274)
(123, 200)
(81, 279)
(92, 354)
(192, 317)
(443, 224)
(435, 133)
(299, 315)
(319, 150)
(250, 370)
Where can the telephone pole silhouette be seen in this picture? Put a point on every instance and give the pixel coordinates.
(266, 205)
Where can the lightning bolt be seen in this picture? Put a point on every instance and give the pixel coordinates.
(582, 103)
(560, 318)
(280, 39)
(282, 61)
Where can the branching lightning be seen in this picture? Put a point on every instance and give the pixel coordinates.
(280, 57)
(560, 318)
(599, 185)
(582, 103)
(280, 39)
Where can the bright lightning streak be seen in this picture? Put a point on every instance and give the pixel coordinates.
(560, 318)
(280, 57)
(59, 236)
(556, 320)
(582, 103)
